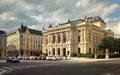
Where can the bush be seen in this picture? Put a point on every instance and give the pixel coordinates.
(80, 55)
(114, 56)
(100, 56)
(89, 55)
(73, 55)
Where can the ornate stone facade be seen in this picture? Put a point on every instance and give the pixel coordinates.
(23, 41)
(80, 36)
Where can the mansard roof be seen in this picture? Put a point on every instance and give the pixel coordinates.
(35, 32)
(23, 29)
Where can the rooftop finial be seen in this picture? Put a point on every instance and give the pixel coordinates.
(85, 18)
(22, 24)
(68, 20)
(43, 28)
(50, 26)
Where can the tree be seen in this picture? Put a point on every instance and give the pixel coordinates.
(117, 45)
(107, 43)
(112, 44)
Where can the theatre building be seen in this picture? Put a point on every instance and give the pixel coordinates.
(79, 36)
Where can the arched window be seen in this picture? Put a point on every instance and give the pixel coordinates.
(78, 38)
(89, 50)
(53, 51)
(64, 51)
(79, 50)
(58, 51)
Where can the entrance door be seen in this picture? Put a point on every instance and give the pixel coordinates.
(64, 52)
(58, 51)
(53, 51)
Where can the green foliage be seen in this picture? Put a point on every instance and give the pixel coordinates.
(114, 56)
(73, 55)
(112, 44)
(80, 55)
(89, 55)
(106, 43)
(100, 56)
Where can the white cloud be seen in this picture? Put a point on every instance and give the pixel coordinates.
(114, 25)
(109, 9)
(82, 3)
(117, 29)
(13, 18)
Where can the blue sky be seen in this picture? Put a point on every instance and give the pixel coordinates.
(116, 13)
(37, 14)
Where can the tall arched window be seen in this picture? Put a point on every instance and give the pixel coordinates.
(58, 51)
(78, 50)
(64, 51)
(89, 50)
(53, 51)
(78, 38)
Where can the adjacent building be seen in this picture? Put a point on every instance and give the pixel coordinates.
(23, 41)
(79, 36)
(2, 43)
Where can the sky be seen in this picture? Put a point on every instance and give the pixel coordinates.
(37, 14)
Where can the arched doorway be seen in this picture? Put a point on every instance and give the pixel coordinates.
(89, 50)
(64, 51)
(58, 51)
(53, 51)
(79, 50)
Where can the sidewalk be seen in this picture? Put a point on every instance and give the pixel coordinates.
(82, 59)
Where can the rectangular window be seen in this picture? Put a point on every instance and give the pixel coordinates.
(58, 38)
(64, 37)
(53, 38)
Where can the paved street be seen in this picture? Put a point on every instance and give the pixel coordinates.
(38, 67)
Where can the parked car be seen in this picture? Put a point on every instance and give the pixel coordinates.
(58, 57)
(33, 57)
(49, 58)
(43, 57)
(39, 57)
(26, 57)
(12, 60)
(21, 57)
(54, 58)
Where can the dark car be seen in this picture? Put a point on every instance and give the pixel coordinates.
(12, 60)
(43, 57)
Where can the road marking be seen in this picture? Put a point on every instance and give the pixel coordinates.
(4, 70)
(108, 74)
